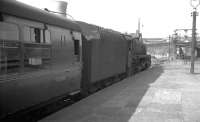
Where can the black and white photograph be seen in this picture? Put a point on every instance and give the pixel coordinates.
(99, 61)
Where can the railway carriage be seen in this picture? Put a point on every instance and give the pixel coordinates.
(40, 56)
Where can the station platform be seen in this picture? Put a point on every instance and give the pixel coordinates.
(164, 93)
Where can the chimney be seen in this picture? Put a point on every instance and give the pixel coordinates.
(58, 7)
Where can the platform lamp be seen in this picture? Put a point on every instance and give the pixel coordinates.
(194, 4)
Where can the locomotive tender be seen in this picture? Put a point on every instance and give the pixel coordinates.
(44, 57)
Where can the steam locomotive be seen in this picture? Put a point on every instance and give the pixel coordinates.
(44, 57)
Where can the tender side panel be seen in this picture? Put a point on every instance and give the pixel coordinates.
(104, 54)
(109, 56)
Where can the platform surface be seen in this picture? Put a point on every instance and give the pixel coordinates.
(163, 93)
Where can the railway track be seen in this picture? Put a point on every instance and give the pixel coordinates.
(36, 113)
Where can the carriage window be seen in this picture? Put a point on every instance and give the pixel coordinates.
(76, 47)
(77, 42)
(9, 48)
(47, 36)
(1, 17)
(37, 35)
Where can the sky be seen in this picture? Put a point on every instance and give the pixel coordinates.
(159, 18)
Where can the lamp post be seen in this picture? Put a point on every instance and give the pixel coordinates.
(194, 4)
(169, 48)
(173, 44)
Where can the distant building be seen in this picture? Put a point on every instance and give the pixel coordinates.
(173, 48)
(158, 47)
